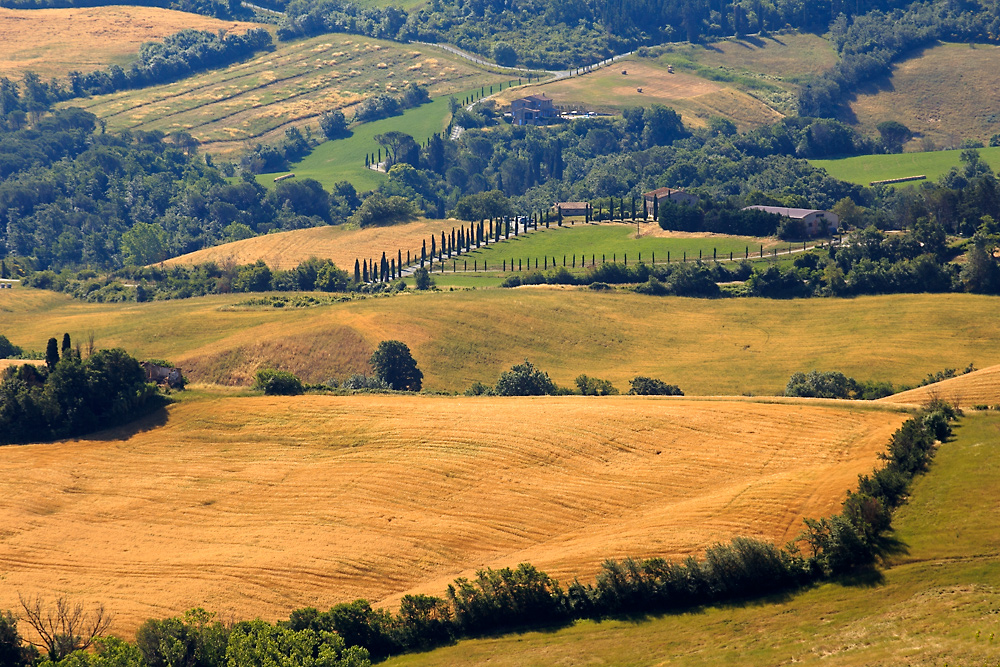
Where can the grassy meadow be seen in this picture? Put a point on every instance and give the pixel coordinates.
(258, 99)
(344, 159)
(938, 94)
(866, 168)
(707, 347)
(255, 506)
(934, 604)
(54, 42)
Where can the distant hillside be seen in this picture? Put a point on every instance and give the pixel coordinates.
(54, 42)
(863, 169)
(939, 95)
(751, 81)
(258, 99)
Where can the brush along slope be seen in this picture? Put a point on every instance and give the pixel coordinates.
(934, 602)
(259, 505)
(710, 347)
(54, 42)
(980, 387)
(258, 99)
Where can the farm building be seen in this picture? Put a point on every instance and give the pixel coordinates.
(662, 195)
(163, 374)
(568, 208)
(532, 110)
(815, 221)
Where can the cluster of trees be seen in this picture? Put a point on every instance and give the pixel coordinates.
(526, 379)
(871, 43)
(176, 57)
(70, 396)
(834, 384)
(351, 634)
(554, 34)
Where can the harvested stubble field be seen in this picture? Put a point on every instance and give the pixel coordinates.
(938, 95)
(256, 506)
(934, 602)
(54, 42)
(708, 347)
(980, 387)
(286, 250)
(696, 99)
(258, 99)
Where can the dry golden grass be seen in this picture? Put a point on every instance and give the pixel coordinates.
(54, 42)
(980, 387)
(7, 363)
(286, 250)
(257, 505)
(939, 95)
(696, 99)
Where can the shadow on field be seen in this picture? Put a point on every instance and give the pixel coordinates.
(867, 578)
(153, 419)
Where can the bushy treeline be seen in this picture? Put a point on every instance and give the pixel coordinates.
(176, 57)
(71, 396)
(526, 379)
(870, 43)
(223, 9)
(556, 34)
(521, 598)
(158, 283)
(70, 197)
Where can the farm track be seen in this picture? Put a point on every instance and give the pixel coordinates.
(257, 506)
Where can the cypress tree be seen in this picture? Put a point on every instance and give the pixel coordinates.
(392, 267)
(384, 266)
(423, 253)
(364, 271)
(656, 207)
(52, 353)
(433, 247)
(399, 260)
(444, 243)
(67, 345)
(357, 271)
(645, 209)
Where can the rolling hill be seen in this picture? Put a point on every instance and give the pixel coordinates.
(980, 387)
(864, 169)
(255, 506)
(707, 347)
(933, 603)
(937, 94)
(258, 99)
(54, 42)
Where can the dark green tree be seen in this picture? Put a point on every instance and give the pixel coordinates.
(52, 353)
(524, 380)
(67, 345)
(394, 364)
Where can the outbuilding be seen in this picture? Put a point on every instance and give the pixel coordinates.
(816, 222)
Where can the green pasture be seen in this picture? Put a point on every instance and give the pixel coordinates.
(935, 603)
(611, 242)
(864, 169)
(344, 159)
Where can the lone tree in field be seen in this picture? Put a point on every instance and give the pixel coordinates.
(524, 380)
(393, 364)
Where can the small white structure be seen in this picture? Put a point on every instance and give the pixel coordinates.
(816, 222)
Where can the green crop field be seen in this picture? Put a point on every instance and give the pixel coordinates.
(708, 347)
(612, 242)
(934, 604)
(866, 168)
(258, 99)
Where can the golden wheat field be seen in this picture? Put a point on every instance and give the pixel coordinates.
(54, 42)
(980, 387)
(286, 250)
(259, 505)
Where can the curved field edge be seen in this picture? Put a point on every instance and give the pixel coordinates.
(980, 387)
(934, 603)
(54, 42)
(707, 347)
(314, 500)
